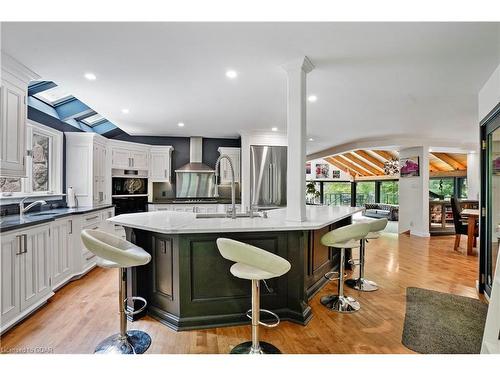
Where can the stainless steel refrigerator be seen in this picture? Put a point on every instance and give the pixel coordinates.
(268, 176)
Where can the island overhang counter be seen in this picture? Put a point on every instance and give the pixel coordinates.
(188, 284)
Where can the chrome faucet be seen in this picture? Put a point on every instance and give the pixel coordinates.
(23, 210)
(233, 187)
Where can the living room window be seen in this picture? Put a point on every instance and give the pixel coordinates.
(337, 193)
(43, 164)
(389, 192)
(365, 193)
(447, 187)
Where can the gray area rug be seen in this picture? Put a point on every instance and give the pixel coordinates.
(442, 323)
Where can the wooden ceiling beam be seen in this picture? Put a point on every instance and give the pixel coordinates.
(385, 154)
(340, 166)
(434, 167)
(348, 164)
(446, 158)
(357, 161)
(456, 173)
(365, 155)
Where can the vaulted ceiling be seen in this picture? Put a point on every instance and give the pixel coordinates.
(371, 79)
(370, 163)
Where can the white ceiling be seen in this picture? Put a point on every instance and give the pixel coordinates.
(371, 79)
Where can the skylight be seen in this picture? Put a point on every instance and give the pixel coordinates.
(93, 120)
(53, 96)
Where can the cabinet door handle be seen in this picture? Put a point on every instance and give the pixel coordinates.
(90, 257)
(25, 243)
(165, 173)
(70, 226)
(92, 218)
(19, 244)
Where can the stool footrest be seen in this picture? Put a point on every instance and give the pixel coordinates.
(354, 262)
(135, 312)
(328, 275)
(272, 325)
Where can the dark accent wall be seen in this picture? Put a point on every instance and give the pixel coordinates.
(210, 146)
(180, 155)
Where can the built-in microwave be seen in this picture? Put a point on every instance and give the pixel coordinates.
(121, 186)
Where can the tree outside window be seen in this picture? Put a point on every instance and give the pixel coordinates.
(444, 187)
(389, 192)
(365, 192)
(337, 193)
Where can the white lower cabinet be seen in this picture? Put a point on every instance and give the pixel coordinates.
(26, 273)
(35, 266)
(10, 278)
(37, 260)
(61, 239)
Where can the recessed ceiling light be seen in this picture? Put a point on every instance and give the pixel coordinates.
(90, 76)
(311, 139)
(180, 124)
(125, 110)
(312, 98)
(274, 129)
(232, 74)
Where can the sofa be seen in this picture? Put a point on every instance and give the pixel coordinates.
(379, 210)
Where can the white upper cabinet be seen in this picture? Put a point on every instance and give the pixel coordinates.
(13, 104)
(140, 159)
(128, 155)
(225, 170)
(120, 158)
(87, 168)
(161, 163)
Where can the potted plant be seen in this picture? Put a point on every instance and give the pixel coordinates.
(312, 193)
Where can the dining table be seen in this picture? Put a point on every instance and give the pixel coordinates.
(472, 215)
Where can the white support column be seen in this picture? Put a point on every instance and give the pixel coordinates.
(296, 133)
(414, 195)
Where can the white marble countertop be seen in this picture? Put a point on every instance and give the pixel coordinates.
(170, 222)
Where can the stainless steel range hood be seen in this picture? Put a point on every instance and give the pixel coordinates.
(195, 164)
(195, 179)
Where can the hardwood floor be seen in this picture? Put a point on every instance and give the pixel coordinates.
(84, 312)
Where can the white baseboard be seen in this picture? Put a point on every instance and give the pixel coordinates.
(419, 234)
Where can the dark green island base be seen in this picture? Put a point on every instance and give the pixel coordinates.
(188, 284)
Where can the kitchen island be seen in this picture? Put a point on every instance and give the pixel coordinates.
(188, 284)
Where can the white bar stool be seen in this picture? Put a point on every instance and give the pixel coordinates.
(114, 252)
(254, 264)
(347, 237)
(362, 284)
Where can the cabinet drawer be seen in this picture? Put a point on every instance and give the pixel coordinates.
(92, 218)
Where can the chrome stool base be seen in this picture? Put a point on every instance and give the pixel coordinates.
(136, 342)
(362, 285)
(246, 348)
(341, 304)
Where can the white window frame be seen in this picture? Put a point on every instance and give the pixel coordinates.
(55, 165)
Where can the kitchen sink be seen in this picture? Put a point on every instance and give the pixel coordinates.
(219, 215)
(41, 214)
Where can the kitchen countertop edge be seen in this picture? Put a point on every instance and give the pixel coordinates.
(7, 227)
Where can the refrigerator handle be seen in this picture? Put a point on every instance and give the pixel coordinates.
(270, 172)
(272, 183)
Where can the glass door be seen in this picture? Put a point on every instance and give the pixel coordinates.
(490, 201)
